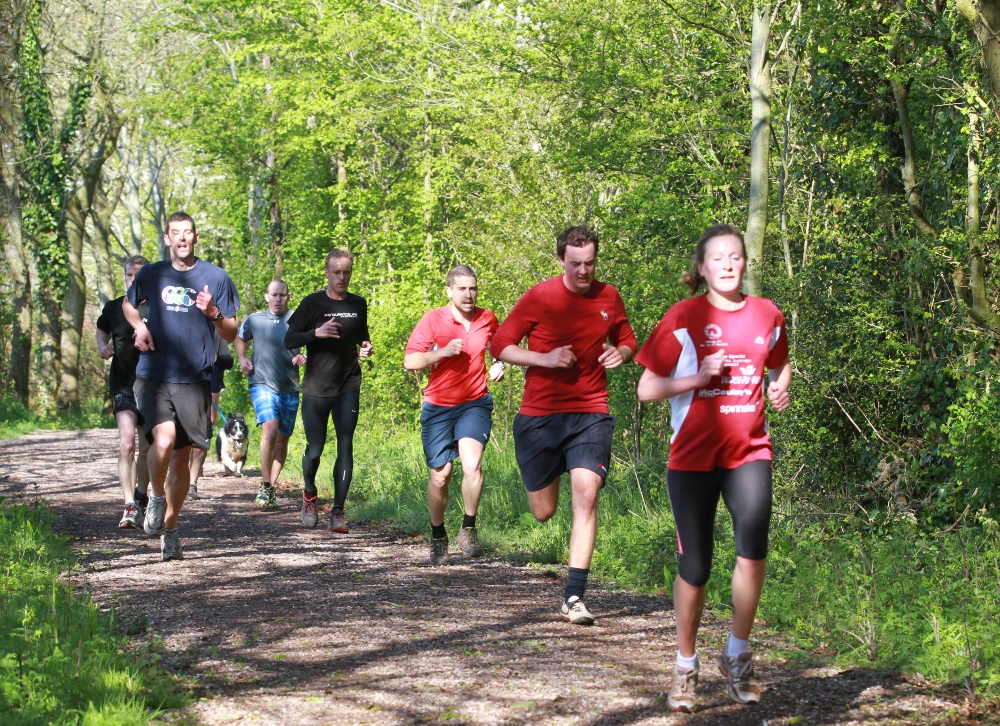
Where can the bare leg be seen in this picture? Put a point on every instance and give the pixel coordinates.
(689, 602)
(164, 436)
(471, 453)
(142, 463)
(748, 583)
(437, 493)
(586, 485)
(178, 483)
(196, 465)
(545, 501)
(268, 442)
(126, 452)
(280, 453)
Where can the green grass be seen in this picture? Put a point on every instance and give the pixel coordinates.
(62, 662)
(17, 420)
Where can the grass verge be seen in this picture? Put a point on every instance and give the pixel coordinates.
(61, 660)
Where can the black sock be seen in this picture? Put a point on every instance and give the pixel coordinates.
(468, 520)
(438, 531)
(338, 507)
(266, 485)
(576, 583)
(141, 498)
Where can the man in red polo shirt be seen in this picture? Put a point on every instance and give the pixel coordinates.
(456, 416)
(577, 329)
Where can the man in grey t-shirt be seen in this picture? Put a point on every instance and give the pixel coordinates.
(274, 383)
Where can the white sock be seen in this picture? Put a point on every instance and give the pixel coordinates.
(691, 662)
(159, 499)
(735, 646)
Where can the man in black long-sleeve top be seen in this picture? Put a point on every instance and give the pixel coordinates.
(332, 325)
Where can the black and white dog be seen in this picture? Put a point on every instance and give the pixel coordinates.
(231, 444)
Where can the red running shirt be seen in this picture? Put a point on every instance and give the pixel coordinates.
(552, 316)
(460, 378)
(721, 425)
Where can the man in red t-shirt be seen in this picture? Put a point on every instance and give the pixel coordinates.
(564, 423)
(456, 419)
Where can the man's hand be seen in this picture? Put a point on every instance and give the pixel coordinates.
(611, 357)
(107, 352)
(246, 365)
(497, 371)
(298, 360)
(561, 357)
(453, 348)
(778, 396)
(144, 339)
(711, 366)
(206, 303)
(329, 329)
(366, 349)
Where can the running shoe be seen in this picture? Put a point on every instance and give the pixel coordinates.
(338, 522)
(738, 671)
(309, 514)
(468, 540)
(170, 545)
(574, 611)
(153, 524)
(439, 551)
(681, 696)
(266, 497)
(131, 518)
(193, 492)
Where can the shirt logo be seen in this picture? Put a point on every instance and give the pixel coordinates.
(748, 370)
(713, 331)
(759, 341)
(178, 295)
(604, 315)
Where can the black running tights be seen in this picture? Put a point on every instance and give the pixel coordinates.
(316, 411)
(694, 496)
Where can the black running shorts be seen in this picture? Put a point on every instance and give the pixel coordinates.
(546, 446)
(186, 404)
(123, 399)
(694, 497)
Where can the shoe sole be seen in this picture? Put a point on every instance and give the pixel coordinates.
(339, 530)
(474, 553)
(126, 525)
(732, 693)
(170, 558)
(578, 621)
(679, 707)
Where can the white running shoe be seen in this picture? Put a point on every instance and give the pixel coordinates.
(153, 524)
(132, 516)
(576, 612)
(170, 545)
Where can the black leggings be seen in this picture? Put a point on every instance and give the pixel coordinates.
(694, 497)
(316, 411)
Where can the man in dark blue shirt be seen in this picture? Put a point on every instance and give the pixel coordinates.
(188, 298)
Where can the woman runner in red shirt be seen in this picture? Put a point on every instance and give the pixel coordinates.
(707, 356)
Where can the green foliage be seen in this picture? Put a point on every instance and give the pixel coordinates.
(16, 419)
(62, 660)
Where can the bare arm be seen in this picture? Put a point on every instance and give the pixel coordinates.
(780, 378)
(227, 328)
(143, 338)
(104, 344)
(653, 387)
(241, 352)
(420, 361)
(556, 358)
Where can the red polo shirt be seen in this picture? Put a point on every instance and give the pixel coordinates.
(460, 378)
(552, 316)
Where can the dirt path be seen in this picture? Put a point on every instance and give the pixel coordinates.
(275, 624)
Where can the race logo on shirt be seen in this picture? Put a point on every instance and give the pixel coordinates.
(713, 331)
(177, 298)
(760, 341)
(604, 314)
(340, 315)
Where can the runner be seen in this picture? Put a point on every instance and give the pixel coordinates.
(455, 419)
(115, 341)
(333, 327)
(223, 362)
(707, 356)
(274, 383)
(188, 298)
(563, 423)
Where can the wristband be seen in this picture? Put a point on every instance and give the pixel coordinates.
(217, 317)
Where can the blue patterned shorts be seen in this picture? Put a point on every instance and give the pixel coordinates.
(268, 405)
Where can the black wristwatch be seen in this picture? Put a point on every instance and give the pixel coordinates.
(217, 317)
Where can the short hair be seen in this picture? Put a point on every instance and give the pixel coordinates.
(576, 237)
(282, 282)
(335, 254)
(135, 261)
(459, 271)
(181, 217)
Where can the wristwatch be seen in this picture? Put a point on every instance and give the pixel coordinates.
(217, 317)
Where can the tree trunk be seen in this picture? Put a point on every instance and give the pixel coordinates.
(760, 146)
(341, 185)
(156, 197)
(985, 19)
(981, 311)
(101, 210)
(901, 91)
(19, 366)
(130, 167)
(73, 305)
